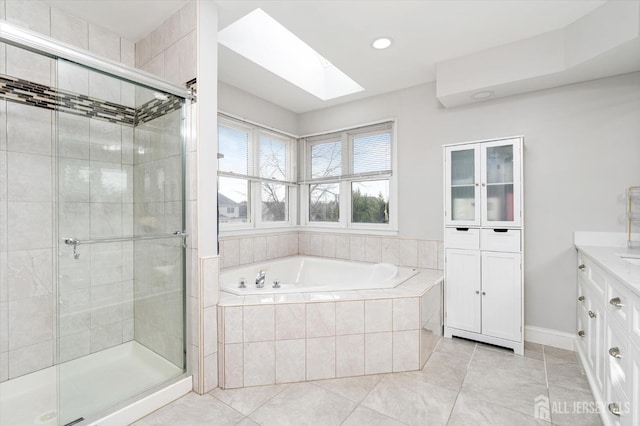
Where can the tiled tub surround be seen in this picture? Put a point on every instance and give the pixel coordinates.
(297, 337)
(302, 274)
(414, 253)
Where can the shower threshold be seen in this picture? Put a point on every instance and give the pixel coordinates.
(87, 386)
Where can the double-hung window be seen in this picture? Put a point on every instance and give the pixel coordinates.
(255, 176)
(349, 181)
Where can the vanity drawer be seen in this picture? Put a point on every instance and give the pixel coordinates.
(619, 304)
(462, 238)
(634, 311)
(618, 354)
(592, 273)
(616, 402)
(500, 240)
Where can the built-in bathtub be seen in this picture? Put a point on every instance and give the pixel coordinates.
(303, 274)
(332, 319)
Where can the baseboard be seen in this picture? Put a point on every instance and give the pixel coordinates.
(549, 337)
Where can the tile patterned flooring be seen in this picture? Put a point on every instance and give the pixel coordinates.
(463, 383)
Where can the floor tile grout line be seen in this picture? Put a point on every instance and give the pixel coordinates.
(222, 402)
(286, 386)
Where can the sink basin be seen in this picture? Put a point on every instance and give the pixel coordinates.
(631, 260)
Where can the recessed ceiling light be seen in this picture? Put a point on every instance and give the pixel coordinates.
(160, 96)
(381, 43)
(482, 95)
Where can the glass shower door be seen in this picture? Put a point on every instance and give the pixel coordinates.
(120, 205)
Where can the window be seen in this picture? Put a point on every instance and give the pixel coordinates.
(349, 180)
(254, 170)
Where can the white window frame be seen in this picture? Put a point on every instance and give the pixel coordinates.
(254, 198)
(346, 179)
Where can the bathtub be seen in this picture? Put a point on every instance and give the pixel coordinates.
(298, 274)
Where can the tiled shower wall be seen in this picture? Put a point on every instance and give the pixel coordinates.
(236, 251)
(158, 210)
(170, 50)
(97, 202)
(26, 228)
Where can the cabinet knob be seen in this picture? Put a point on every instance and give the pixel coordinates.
(581, 267)
(484, 293)
(614, 408)
(616, 302)
(581, 299)
(477, 184)
(581, 333)
(484, 184)
(592, 314)
(477, 291)
(615, 353)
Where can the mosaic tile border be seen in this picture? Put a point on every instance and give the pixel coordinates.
(26, 92)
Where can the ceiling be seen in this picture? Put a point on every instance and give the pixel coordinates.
(424, 32)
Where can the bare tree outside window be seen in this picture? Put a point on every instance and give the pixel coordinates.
(273, 165)
(324, 199)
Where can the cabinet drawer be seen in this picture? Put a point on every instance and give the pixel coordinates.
(616, 402)
(619, 304)
(500, 240)
(634, 311)
(618, 354)
(463, 238)
(592, 273)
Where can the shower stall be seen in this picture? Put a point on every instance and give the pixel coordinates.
(92, 233)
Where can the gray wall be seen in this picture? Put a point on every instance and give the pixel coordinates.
(582, 146)
(248, 107)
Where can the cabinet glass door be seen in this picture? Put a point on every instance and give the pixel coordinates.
(500, 183)
(462, 179)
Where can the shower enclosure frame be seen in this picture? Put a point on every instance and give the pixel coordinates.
(135, 407)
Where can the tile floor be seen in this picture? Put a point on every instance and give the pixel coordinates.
(463, 383)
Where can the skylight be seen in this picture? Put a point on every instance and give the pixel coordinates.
(263, 40)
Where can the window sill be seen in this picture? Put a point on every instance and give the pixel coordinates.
(274, 229)
(388, 232)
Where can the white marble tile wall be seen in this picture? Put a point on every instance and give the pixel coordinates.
(157, 210)
(294, 342)
(413, 253)
(92, 184)
(236, 251)
(170, 50)
(27, 328)
(40, 17)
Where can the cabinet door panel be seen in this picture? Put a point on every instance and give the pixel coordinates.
(596, 351)
(462, 180)
(501, 295)
(500, 180)
(462, 289)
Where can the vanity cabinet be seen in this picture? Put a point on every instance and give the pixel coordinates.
(607, 344)
(483, 241)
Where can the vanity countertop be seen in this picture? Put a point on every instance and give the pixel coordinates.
(621, 262)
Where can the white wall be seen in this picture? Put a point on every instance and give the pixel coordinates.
(251, 108)
(582, 149)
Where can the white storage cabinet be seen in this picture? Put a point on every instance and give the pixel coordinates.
(483, 242)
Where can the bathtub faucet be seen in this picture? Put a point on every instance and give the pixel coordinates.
(260, 279)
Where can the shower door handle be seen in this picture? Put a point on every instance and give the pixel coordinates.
(75, 242)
